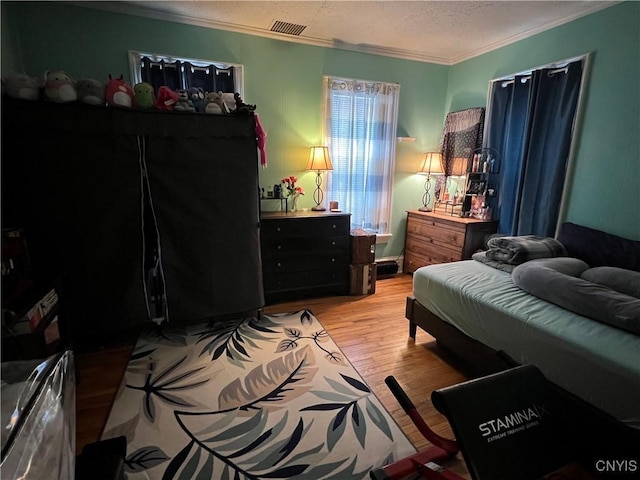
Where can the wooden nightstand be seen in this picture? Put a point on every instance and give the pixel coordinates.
(304, 254)
(434, 237)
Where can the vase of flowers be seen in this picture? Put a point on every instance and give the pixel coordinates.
(293, 191)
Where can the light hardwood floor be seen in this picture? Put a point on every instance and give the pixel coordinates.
(371, 330)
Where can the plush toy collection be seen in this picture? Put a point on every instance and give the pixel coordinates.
(58, 86)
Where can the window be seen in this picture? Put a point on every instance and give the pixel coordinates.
(183, 73)
(360, 119)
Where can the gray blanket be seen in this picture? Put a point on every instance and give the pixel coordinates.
(517, 250)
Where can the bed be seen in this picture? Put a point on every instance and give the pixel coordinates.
(477, 312)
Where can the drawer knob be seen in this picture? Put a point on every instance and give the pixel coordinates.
(333, 226)
(279, 264)
(279, 247)
(333, 243)
(333, 259)
(277, 229)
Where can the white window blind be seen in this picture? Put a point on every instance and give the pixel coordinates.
(360, 119)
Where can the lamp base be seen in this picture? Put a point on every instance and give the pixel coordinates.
(318, 208)
(424, 209)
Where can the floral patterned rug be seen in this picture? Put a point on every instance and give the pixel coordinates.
(249, 399)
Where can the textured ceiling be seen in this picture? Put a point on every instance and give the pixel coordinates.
(434, 31)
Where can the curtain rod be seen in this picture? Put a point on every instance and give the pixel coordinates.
(523, 79)
(564, 69)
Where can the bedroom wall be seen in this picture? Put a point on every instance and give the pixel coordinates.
(284, 79)
(604, 192)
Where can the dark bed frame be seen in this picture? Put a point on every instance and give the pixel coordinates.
(476, 357)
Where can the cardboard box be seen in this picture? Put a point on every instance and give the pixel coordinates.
(362, 279)
(363, 247)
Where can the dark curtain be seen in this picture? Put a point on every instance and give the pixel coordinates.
(224, 79)
(531, 125)
(177, 75)
(551, 128)
(506, 127)
(162, 73)
(200, 77)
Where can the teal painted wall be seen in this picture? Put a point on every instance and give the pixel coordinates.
(284, 79)
(604, 191)
(11, 58)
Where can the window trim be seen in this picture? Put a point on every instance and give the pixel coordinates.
(135, 58)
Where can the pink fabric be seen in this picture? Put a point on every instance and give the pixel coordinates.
(261, 137)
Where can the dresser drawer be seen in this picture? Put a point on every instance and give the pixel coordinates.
(305, 227)
(320, 278)
(304, 263)
(431, 249)
(435, 230)
(318, 245)
(439, 238)
(413, 261)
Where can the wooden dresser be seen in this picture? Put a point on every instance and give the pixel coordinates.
(434, 237)
(304, 254)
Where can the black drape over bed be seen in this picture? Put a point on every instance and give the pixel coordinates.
(98, 188)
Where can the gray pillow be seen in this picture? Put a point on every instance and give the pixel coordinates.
(557, 281)
(619, 279)
(567, 265)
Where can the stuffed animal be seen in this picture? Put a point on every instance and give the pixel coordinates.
(119, 93)
(19, 85)
(229, 101)
(242, 107)
(167, 98)
(144, 95)
(59, 87)
(214, 103)
(184, 102)
(196, 94)
(90, 91)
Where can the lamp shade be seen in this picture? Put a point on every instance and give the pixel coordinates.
(459, 167)
(431, 163)
(319, 159)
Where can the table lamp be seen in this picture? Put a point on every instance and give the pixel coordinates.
(431, 165)
(319, 161)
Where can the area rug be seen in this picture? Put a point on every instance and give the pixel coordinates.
(272, 397)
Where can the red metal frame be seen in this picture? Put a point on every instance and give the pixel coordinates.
(426, 461)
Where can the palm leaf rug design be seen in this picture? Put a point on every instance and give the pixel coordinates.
(255, 398)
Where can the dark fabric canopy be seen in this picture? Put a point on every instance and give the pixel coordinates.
(73, 178)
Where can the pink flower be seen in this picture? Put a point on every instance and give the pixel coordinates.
(291, 187)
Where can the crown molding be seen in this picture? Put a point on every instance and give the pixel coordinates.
(534, 31)
(130, 9)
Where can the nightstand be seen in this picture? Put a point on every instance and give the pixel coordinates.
(304, 254)
(434, 237)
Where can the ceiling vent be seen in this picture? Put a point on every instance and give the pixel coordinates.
(287, 28)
